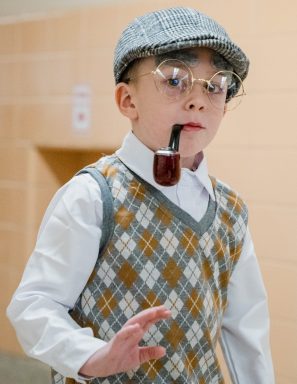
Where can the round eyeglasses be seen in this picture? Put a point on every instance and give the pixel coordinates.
(174, 79)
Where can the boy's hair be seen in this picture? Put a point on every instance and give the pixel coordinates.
(173, 29)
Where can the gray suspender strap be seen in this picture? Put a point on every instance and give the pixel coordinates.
(107, 201)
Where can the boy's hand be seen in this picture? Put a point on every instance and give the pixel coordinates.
(122, 353)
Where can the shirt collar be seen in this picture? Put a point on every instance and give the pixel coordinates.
(136, 156)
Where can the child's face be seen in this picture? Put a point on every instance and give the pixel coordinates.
(154, 114)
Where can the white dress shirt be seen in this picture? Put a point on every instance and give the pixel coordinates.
(64, 257)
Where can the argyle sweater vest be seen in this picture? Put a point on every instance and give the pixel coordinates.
(159, 254)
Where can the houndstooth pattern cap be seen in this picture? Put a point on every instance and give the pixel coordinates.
(172, 29)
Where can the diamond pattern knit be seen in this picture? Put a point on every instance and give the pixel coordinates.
(160, 255)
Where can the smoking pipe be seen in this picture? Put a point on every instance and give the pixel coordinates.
(167, 160)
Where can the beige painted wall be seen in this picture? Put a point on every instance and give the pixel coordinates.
(15, 8)
(255, 151)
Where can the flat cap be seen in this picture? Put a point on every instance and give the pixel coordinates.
(171, 29)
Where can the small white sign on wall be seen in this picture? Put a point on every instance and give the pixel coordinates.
(81, 108)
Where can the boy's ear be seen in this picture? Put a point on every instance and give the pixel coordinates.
(124, 100)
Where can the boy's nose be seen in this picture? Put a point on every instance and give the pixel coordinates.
(197, 98)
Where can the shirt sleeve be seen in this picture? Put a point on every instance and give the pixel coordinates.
(245, 327)
(57, 271)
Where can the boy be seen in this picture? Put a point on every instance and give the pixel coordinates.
(179, 272)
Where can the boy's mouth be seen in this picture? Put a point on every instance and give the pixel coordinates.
(191, 126)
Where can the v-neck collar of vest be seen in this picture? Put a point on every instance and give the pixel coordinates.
(201, 226)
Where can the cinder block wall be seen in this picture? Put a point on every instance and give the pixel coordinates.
(42, 59)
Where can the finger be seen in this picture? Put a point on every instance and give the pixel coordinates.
(151, 353)
(129, 335)
(150, 316)
(159, 313)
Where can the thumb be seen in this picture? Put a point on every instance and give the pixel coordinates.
(151, 353)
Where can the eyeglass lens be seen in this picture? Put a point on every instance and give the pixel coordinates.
(173, 78)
